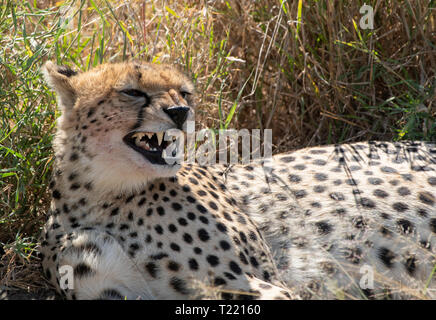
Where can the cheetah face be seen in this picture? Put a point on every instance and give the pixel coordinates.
(116, 120)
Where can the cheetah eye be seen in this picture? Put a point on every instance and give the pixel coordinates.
(134, 93)
(185, 94)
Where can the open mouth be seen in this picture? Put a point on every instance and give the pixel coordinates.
(150, 144)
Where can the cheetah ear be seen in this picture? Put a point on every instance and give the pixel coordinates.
(59, 79)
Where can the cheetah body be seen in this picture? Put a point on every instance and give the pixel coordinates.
(300, 225)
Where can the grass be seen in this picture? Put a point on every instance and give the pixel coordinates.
(303, 68)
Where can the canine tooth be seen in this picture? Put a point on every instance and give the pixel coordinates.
(150, 135)
(159, 137)
(138, 135)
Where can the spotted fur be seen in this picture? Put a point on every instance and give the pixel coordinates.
(301, 225)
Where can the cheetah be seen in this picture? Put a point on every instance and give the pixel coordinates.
(129, 225)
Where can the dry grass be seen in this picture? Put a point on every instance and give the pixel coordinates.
(312, 75)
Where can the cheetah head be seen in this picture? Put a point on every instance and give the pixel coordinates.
(114, 120)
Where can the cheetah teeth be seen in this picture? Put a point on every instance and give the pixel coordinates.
(159, 136)
(140, 142)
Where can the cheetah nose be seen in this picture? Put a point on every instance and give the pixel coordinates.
(178, 114)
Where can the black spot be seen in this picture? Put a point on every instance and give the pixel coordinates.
(111, 294)
(173, 266)
(213, 205)
(158, 229)
(427, 198)
(56, 194)
(386, 256)
(235, 267)
(218, 281)
(66, 208)
(134, 246)
(252, 236)
(388, 170)
(432, 181)
(190, 199)
(266, 276)
(299, 167)
(422, 212)
(352, 182)
(202, 193)
(172, 228)
(316, 204)
(182, 222)
(319, 162)
(254, 262)
(213, 260)
(193, 180)
(74, 156)
(400, 206)
(203, 235)
(358, 222)
(115, 211)
(221, 227)
(299, 194)
(380, 193)
(410, 265)
(229, 276)
(179, 285)
(55, 226)
(319, 189)
(354, 255)
(82, 270)
(187, 238)
(175, 247)
(375, 181)
(152, 269)
(124, 227)
(432, 225)
(142, 201)
(321, 176)
(385, 231)
(193, 264)
(224, 245)
(323, 227)
(243, 237)
(158, 256)
(403, 191)
(91, 112)
(201, 208)
(338, 196)
(243, 258)
(367, 203)
(405, 225)
(294, 178)
(204, 220)
(287, 159)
